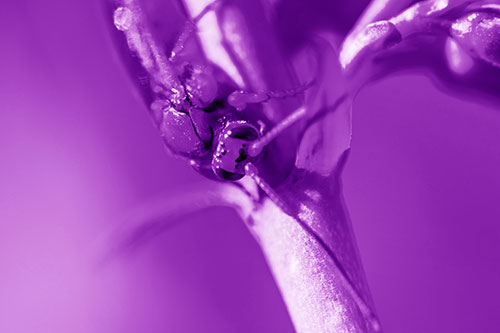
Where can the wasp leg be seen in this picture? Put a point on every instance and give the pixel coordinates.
(258, 145)
(262, 126)
(252, 171)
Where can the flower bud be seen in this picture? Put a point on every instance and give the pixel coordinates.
(479, 34)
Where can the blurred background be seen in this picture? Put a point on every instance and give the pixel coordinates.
(78, 150)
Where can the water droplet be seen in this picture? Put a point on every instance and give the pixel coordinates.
(123, 18)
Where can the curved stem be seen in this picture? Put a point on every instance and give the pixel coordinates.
(315, 262)
(311, 251)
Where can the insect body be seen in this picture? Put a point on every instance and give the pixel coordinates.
(201, 114)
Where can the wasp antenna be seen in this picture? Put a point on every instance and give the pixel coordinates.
(189, 28)
(290, 92)
(256, 148)
(211, 6)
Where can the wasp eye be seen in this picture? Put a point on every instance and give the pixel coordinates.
(245, 132)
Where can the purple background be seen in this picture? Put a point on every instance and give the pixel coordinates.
(77, 150)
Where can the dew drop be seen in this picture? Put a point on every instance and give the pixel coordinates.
(122, 18)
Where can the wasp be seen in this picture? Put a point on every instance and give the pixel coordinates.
(199, 110)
